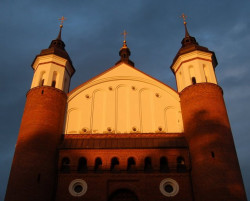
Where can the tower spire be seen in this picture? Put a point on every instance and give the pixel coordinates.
(187, 40)
(189, 44)
(57, 46)
(184, 17)
(124, 51)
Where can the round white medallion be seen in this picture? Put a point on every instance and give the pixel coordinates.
(78, 187)
(169, 187)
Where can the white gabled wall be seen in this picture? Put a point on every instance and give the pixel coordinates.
(123, 100)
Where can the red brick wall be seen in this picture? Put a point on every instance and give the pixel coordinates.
(144, 185)
(215, 170)
(33, 169)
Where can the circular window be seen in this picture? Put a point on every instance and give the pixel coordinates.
(78, 187)
(169, 187)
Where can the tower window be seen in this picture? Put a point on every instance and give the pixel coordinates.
(98, 164)
(42, 82)
(131, 164)
(65, 166)
(114, 164)
(212, 154)
(53, 83)
(148, 164)
(206, 72)
(82, 165)
(42, 78)
(181, 166)
(193, 80)
(38, 178)
(164, 164)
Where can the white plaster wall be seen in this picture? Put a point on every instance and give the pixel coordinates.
(197, 60)
(49, 64)
(124, 101)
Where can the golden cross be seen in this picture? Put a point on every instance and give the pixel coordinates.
(124, 33)
(62, 20)
(184, 17)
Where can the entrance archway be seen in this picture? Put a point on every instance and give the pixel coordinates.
(123, 195)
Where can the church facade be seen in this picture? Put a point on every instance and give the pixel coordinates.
(125, 136)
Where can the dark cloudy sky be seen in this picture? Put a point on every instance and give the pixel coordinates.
(92, 37)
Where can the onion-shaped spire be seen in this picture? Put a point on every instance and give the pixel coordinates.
(125, 52)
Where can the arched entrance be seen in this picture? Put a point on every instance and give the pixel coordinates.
(123, 195)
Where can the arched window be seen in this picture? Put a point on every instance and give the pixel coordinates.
(206, 73)
(131, 164)
(193, 80)
(148, 164)
(181, 166)
(164, 164)
(114, 164)
(42, 82)
(65, 85)
(82, 165)
(53, 84)
(42, 78)
(65, 165)
(98, 164)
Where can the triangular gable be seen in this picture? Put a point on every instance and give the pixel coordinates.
(123, 71)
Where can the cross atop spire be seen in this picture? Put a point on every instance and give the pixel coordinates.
(124, 33)
(124, 51)
(184, 17)
(62, 20)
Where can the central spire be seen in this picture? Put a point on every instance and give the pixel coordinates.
(125, 52)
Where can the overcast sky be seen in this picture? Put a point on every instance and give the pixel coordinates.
(92, 34)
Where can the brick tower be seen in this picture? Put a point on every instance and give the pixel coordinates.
(125, 136)
(215, 171)
(33, 172)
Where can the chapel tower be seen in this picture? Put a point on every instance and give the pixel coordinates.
(33, 172)
(215, 171)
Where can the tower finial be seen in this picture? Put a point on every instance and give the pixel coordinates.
(184, 17)
(61, 26)
(62, 21)
(124, 33)
(124, 51)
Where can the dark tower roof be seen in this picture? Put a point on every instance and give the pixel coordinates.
(124, 54)
(57, 47)
(190, 44)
